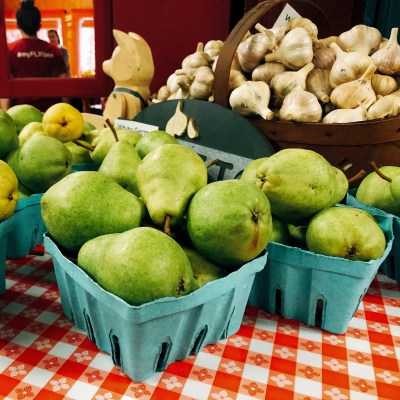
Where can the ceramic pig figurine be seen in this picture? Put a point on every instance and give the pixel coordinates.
(131, 67)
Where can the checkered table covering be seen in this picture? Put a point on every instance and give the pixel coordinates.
(44, 356)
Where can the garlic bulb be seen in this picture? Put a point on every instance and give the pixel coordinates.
(386, 106)
(202, 85)
(253, 49)
(347, 66)
(294, 51)
(296, 22)
(350, 94)
(213, 47)
(324, 58)
(289, 81)
(252, 98)
(360, 38)
(236, 78)
(172, 83)
(163, 93)
(317, 82)
(346, 115)
(197, 59)
(387, 59)
(300, 106)
(325, 42)
(383, 84)
(265, 72)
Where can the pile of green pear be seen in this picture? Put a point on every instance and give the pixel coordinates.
(304, 191)
(147, 224)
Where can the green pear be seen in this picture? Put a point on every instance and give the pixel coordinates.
(249, 174)
(22, 114)
(376, 191)
(103, 142)
(342, 186)
(298, 184)
(346, 232)
(121, 163)
(87, 204)
(280, 232)
(88, 127)
(167, 179)
(229, 222)
(8, 134)
(80, 154)
(23, 192)
(8, 191)
(395, 188)
(298, 235)
(139, 265)
(31, 129)
(152, 140)
(204, 270)
(40, 162)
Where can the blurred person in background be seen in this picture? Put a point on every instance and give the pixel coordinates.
(54, 38)
(31, 57)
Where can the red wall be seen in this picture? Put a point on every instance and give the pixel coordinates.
(172, 28)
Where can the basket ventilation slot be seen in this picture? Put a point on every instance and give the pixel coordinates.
(115, 350)
(89, 327)
(278, 301)
(199, 340)
(319, 312)
(226, 330)
(163, 356)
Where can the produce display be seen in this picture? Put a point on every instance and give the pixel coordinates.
(289, 73)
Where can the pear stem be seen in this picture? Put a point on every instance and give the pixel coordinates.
(213, 162)
(376, 169)
(110, 125)
(358, 176)
(84, 144)
(167, 228)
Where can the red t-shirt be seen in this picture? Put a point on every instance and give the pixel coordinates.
(35, 58)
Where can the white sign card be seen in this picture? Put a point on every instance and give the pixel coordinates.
(140, 127)
(287, 13)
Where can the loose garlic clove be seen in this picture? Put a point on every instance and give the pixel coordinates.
(301, 107)
(289, 81)
(386, 106)
(324, 58)
(265, 72)
(383, 84)
(252, 98)
(347, 115)
(294, 51)
(317, 82)
(360, 38)
(351, 94)
(387, 59)
(347, 66)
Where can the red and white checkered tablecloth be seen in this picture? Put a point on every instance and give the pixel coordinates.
(44, 356)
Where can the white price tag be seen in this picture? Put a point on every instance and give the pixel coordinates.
(287, 13)
(140, 127)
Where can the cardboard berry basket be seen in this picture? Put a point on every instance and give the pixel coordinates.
(145, 339)
(348, 146)
(315, 289)
(391, 266)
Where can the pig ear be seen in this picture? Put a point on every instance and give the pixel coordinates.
(121, 38)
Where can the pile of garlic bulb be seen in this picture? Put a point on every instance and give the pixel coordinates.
(288, 73)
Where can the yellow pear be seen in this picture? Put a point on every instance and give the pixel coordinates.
(8, 191)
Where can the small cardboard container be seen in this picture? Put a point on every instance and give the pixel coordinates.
(145, 339)
(28, 227)
(6, 227)
(391, 265)
(315, 289)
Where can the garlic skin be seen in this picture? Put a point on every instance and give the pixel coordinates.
(301, 107)
(360, 38)
(253, 49)
(347, 66)
(387, 59)
(294, 51)
(265, 72)
(289, 81)
(351, 94)
(317, 82)
(324, 58)
(386, 106)
(252, 98)
(347, 115)
(383, 84)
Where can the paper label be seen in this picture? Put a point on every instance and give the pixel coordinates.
(140, 127)
(287, 13)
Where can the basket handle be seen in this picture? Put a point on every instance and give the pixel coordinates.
(223, 67)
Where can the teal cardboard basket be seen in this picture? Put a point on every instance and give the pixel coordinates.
(315, 289)
(28, 227)
(391, 266)
(145, 339)
(6, 227)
